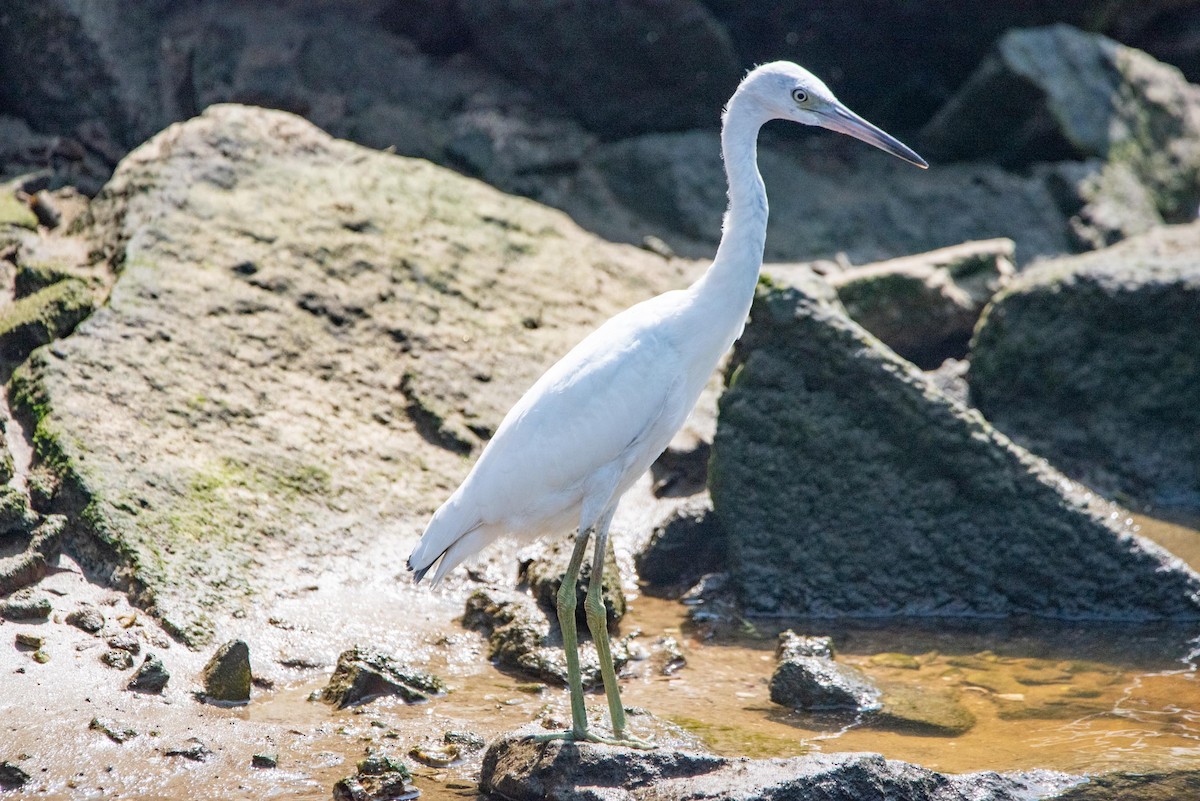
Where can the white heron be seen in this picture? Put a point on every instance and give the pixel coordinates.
(583, 434)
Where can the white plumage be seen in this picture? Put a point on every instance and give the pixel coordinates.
(589, 427)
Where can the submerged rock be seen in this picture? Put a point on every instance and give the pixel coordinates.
(850, 485)
(1148, 786)
(543, 571)
(914, 709)
(151, 677)
(362, 676)
(380, 777)
(1091, 362)
(227, 677)
(518, 768)
(925, 307)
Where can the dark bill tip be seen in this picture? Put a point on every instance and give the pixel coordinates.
(843, 120)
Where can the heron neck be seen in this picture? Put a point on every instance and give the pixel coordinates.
(729, 282)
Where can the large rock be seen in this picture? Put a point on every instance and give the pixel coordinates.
(1092, 361)
(1057, 93)
(517, 768)
(849, 485)
(925, 306)
(270, 377)
(621, 67)
(836, 196)
(363, 675)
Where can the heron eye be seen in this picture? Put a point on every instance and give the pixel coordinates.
(800, 96)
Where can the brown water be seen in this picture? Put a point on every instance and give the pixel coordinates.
(1068, 697)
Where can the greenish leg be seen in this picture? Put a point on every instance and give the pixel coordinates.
(566, 621)
(597, 618)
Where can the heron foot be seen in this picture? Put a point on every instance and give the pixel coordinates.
(571, 736)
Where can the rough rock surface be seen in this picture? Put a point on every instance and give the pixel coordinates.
(517, 768)
(151, 677)
(1091, 361)
(29, 565)
(363, 675)
(323, 360)
(227, 677)
(849, 485)
(925, 307)
(26, 604)
(1057, 93)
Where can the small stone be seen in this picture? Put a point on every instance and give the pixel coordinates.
(363, 675)
(26, 605)
(40, 656)
(435, 757)
(264, 761)
(31, 642)
(125, 641)
(812, 683)
(227, 677)
(86, 618)
(151, 677)
(671, 658)
(11, 776)
(191, 748)
(114, 658)
(115, 731)
(379, 777)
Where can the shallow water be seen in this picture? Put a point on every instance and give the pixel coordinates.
(1070, 697)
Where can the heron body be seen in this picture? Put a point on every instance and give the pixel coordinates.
(594, 422)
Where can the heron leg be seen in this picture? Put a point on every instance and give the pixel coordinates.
(597, 619)
(566, 621)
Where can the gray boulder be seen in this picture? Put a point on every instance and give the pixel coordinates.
(1056, 93)
(849, 485)
(925, 307)
(1091, 361)
(517, 768)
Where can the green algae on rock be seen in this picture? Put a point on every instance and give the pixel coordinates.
(849, 485)
(226, 677)
(42, 317)
(1091, 361)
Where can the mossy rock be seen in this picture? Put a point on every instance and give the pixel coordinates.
(1091, 361)
(42, 317)
(850, 485)
(227, 677)
(14, 212)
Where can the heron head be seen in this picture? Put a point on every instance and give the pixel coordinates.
(787, 91)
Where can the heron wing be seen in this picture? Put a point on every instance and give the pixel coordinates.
(608, 402)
